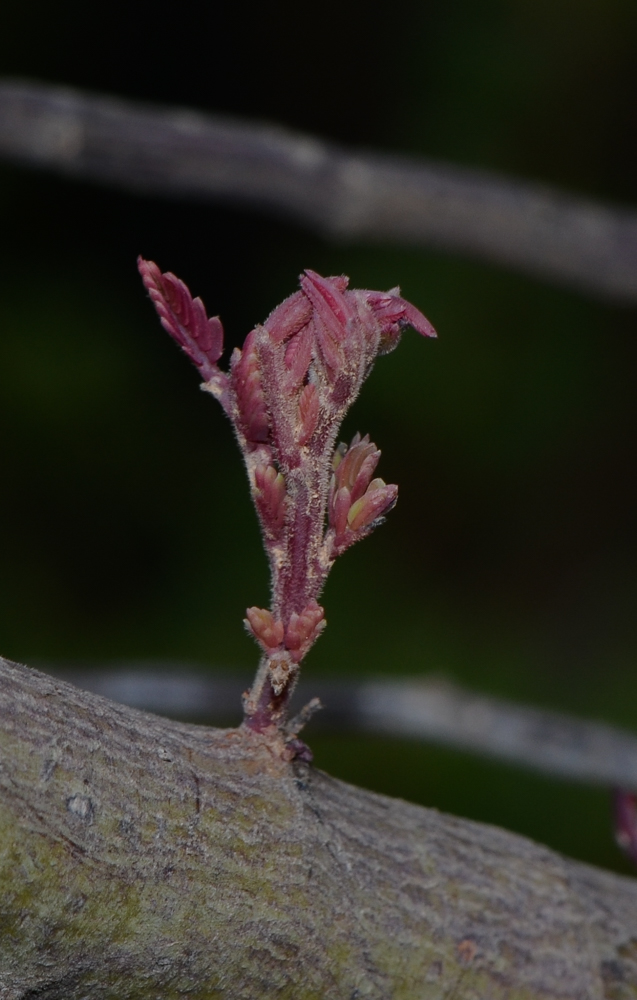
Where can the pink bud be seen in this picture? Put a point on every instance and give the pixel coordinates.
(339, 510)
(270, 498)
(332, 316)
(246, 378)
(357, 466)
(304, 629)
(393, 314)
(308, 412)
(378, 500)
(268, 632)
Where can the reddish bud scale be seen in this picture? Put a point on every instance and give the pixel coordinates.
(308, 412)
(393, 314)
(378, 500)
(303, 630)
(270, 498)
(268, 632)
(351, 506)
(357, 466)
(365, 473)
(341, 503)
(286, 645)
(183, 317)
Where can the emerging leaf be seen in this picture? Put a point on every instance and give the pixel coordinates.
(183, 317)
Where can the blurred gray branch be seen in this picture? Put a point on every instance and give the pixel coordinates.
(430, 709)
(342, 193)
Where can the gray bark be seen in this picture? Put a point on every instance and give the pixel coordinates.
(345, 194)
(145, 858)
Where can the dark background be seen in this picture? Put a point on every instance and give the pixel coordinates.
(510, 563)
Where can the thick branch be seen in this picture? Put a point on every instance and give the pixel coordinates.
(344, 194)
(141, 857)
(427, 708)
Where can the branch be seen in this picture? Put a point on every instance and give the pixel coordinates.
(141, 857)
(344, 194)
(286, 393)
(429, 709)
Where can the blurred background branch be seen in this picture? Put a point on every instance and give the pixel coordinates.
(344, 194)
(431, 709)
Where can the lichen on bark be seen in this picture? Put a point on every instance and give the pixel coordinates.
(141, 857)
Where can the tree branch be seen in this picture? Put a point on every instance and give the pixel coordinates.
(142, 857)
(342, 193)
(429, 708)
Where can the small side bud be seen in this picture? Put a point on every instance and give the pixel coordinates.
(268, 632)
(357, 467)
(393, 314)
(270, 498)
(339, 510)
(246, 378)
(303, 630)
(378, 500)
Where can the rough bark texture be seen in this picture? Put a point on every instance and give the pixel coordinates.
(143, 858)
(428, 708)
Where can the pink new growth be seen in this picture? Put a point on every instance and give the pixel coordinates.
(286, 394)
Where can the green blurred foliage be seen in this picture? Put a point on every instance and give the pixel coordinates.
(510, 562)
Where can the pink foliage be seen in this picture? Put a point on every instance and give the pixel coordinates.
(183, 317)
(309, 403)
(286, 394)
(357, 502)
(246, 380)
(303, 630)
